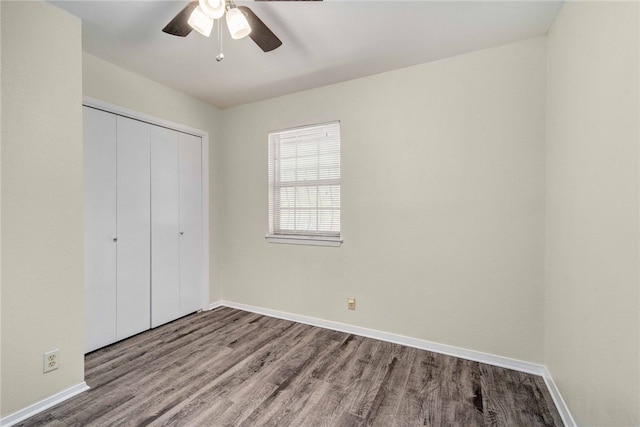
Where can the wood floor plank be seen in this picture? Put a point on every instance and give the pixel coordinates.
(103, 358)
(218, 376)
(333, 403)
(227, 367)
(513, 398)
(349, 369)
(420, 392)
(295, 379)
(224, 377)
(376, 371)
(158, 392)
(384, 409)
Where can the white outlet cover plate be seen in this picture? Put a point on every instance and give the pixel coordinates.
(51, 360)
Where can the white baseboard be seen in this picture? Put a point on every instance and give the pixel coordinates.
(476, 356)
(567, 418)
(215, 304)
(40, 406)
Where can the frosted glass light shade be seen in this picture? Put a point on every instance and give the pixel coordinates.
(214, 9)
(237, 23)
(200, 22)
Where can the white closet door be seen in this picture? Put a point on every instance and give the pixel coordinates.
(99, 228)
(134, 223)
(191, 286)
(165, 237)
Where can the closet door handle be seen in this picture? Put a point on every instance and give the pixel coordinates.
(115, 239)
(182, 233)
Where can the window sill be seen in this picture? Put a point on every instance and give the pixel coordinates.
(304, 240)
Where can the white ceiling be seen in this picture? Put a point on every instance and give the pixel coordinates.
(323, 42)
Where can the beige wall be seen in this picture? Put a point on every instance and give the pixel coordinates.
(110, 83)
(42, 225)
(442, 203)
(592, 238)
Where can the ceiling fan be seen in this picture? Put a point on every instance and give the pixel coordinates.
(200, 15)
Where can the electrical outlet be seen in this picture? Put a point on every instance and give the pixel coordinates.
(351, 303)
(51, 360)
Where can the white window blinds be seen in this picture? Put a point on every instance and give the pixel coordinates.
(304, 181)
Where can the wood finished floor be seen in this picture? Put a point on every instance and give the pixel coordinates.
(228, 367)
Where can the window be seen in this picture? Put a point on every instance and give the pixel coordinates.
(304, 185)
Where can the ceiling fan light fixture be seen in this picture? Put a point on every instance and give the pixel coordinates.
(237, 23)
(200, 22)
(214, 9)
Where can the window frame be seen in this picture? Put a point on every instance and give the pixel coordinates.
(275, 235)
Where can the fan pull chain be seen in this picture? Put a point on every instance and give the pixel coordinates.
(220, 55)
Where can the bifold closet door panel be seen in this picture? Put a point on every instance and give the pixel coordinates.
(191, 286)
(165, 230)
(134, 224)
(99, 228)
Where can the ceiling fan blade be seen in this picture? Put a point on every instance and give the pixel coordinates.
(178, 26)
(260, 33)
